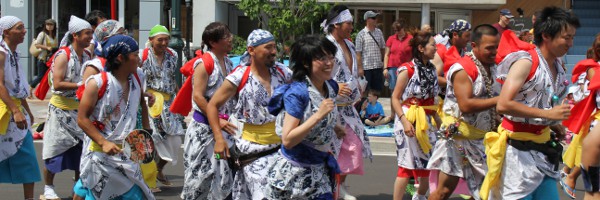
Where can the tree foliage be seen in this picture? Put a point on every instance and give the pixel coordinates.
(286, 19)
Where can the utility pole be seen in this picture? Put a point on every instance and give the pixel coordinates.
(176, 42)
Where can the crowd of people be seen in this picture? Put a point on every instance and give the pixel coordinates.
(483, 122)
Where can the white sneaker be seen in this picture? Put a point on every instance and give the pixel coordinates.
(419, 197)
(49, 193)
(344, 194)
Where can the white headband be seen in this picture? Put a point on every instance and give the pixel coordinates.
(344, 16)
(75, 26)
(7, 22)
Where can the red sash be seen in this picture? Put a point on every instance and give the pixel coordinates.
(581, 67)
(510, 43)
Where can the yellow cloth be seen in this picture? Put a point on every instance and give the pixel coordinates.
(159, 102)
(440, 110)
(467, 131)
(495, 149)
(97, 148)
(150, 173)
(261, 134)
(6, 114)
(572, 156)
(63, 102)
(417, 116)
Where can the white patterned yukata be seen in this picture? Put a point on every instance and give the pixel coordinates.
(288, 179)
(421, 86)
(523, 171)
(206, 177)
(465, 158)
(251, 108)
(112, 176)
(161, 78)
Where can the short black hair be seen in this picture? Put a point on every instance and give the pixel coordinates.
(92, 17)
(419, 38)
(214, 32)
(375, 93)
(481, 30)
(334, 12)
(552, 20)
(307, 49)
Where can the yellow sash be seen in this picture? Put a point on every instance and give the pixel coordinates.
(467, 131)
(159, 102)
(97, 148)
(64, 103)
(572, 156)
(261, 134)
(6, 114)
(417, 116)
(495, 149)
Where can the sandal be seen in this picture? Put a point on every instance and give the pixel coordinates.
(155, 190)
(164, 180)
(570, 192)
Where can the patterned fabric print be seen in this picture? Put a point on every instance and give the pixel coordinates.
(61, 132)
(206, 177)
(580, 93)
(538, 91)
(448, 157)
(287, 180)
(252, 100)
(72, 72)
(251, 107)
(481, 120)
(348, 114)
(423, 84)
(111, 176)
(162, 78)
(409, 152)
(214, 82)
(15, 83)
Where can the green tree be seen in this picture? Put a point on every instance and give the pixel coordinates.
(286, 19)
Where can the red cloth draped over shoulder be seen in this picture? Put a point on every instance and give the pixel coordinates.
(451, 56)
(582, 111)
(581, 67)
(510, 43)
(182, 104)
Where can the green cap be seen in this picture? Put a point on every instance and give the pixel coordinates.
(158, 30)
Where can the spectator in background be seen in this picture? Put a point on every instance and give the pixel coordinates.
(397, 51)
(502, 24)
(426, 28)
(369, 50)
(526, 36)
(46, 40)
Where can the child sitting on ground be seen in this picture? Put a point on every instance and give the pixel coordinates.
(372, 111)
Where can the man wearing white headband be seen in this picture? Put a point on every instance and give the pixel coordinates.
(159, 63)
(346, 71)
(253, 83)
(63, 139)
(18, 163)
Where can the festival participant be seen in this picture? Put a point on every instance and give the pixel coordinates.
(159, 63)
(306, 116)
(18, 162)
(582, 74)
(253, 83)
(451, 45)
(470, 102)
(354, 146)
(63, 139)
(103, 31)
(205, 176)
(522, 157)
(107, 114)
(95, 18)
(414, 104)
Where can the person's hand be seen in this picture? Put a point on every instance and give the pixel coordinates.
(49, 48)
(325, 108)
(559, 112)
(361, 72)
(228, 126)
(339, 131)
(409, 129)
(110, 148)
(344, 90)
(151, 99)
(385, 73)
(31, 118)
(221, 149)
(19, 118)
(364, 105)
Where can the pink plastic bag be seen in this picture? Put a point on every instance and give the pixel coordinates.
(350, 158)
(461, 188)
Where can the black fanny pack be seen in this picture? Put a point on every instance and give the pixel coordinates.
(551, 149)
(237, 161)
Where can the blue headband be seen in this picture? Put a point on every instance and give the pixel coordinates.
(116, 45)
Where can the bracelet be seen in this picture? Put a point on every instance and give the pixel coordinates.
(400, 117)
